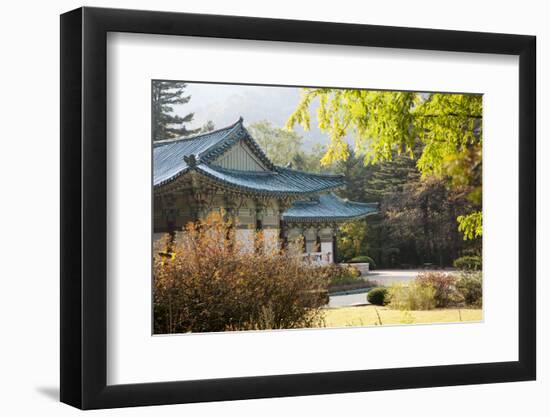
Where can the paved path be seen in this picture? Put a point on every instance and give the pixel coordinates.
(388, 277)
(383, 277)
(347, 300)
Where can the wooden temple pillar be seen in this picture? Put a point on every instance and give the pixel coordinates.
(334, 248)
(230, 207)
(282, 206)
(310, 234)
(259, 212)
(200, 196)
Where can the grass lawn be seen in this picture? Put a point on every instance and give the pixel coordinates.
(366, 316)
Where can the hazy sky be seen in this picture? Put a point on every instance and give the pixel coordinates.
(225, 103)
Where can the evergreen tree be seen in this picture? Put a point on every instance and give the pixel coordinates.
(416, 223)
(167, 124)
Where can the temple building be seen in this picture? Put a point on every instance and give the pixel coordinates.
(227, 169)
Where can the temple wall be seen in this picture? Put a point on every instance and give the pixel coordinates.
(326, 234)
(327, 251)
(246, 216)
(245, 237)
(293, 233)
(271, 239)
(271, 216)
(246, 213)
(180, 208)
(183, 209)
(174, 210)
(310, 235)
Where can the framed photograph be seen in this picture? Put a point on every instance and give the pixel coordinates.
(258, 208)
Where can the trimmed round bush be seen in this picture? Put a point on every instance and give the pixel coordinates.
(468, 263)
(362, 260)
(377, 296)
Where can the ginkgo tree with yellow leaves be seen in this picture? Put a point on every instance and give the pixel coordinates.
(382, 124)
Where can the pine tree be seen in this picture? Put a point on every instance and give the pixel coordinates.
(166, 124)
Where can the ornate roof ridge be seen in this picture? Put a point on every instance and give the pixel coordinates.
(199, 135)
(237, 171)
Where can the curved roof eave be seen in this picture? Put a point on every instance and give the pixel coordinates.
(338, 219)
(210, 173)
(328, 208)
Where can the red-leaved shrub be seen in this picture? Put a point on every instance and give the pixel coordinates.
(443, 284)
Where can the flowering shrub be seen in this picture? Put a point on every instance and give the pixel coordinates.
(437, 289)
(212, 283)
(444, 286)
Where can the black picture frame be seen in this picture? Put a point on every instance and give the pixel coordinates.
(84, 207)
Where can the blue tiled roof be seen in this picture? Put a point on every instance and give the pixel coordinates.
(328, 207)
(168, 156)
(173, 158)
(279, 181)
